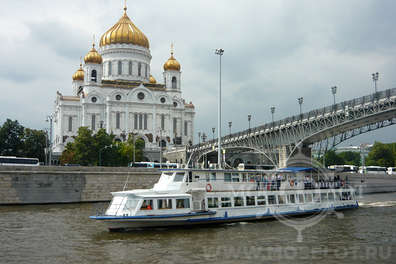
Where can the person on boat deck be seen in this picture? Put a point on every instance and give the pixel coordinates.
(278, 181)
(146, 206)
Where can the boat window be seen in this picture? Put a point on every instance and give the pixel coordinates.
(346, 196)
(250, 201)
(225, 202)
(213, 202)
(271, 199)
(207, 177)
(323, 197)
(261, 200)
(301, 198)
(182, 203)
(316, 197)
(292, 198)
(244, 177)
(227, 177)
(131, 204)
(235, 177)
(164, 203)
(338, 196)
(331, 196)
(147, 205)
(179, 177)
(308, 197)
(168, 173)
(238, 201)
(213, 176)
(251, 177)
(281, 199)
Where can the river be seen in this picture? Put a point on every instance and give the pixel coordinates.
(65, 234)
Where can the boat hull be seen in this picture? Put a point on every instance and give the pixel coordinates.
(118, 223)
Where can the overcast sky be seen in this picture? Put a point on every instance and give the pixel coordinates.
(275, 52)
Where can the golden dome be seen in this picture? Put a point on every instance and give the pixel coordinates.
(78, 75)
(93, 56)
(172, 64)
(124, 31)
(152, 79)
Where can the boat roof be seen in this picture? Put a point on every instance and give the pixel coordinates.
(283, 170)
(150, 193)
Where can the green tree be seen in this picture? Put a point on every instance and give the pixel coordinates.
(11, 138)
(350, 157)
(85, 152)
(331, 158)
(68, 156)
(380, 155)
(34, 144)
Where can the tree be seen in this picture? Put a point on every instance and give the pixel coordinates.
(68, 156)
(34, 144)
(331, 158)
(85, 152)
(11, 138)
(380, 155)
(350, 158)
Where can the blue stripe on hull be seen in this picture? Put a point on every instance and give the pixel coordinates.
(209, 220)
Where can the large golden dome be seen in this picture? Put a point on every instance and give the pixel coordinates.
(78, 75)
(172, 64)
(124, 32)
(93, 56)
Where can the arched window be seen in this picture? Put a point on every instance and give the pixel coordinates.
(118, 119)
(93, 75)
(146, 71)
(109, 68)
(174, 82)
(119, 67)
(130, 68)
(139, 69)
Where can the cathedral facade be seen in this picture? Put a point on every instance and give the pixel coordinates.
(114, 90)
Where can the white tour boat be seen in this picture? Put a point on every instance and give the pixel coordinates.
(204, 196)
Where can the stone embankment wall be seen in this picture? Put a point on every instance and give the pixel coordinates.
(39, 185)
(372, 183)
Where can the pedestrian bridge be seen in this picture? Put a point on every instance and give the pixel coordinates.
(321, 129)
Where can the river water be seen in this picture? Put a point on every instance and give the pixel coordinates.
(65, 234)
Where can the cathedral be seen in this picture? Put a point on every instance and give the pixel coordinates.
(114, 90)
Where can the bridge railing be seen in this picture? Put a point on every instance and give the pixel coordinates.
(348, 104)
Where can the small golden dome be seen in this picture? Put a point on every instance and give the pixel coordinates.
(152, 79)
(78, 75)
(124, 31)
(93, 56)
(172, 64)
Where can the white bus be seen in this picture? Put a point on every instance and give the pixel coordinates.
(18, 161)
(145, 164)
(372, 169)
(344, 168)
(391, 171)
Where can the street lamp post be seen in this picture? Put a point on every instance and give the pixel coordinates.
(100, 153)
(334, 91)
(49, 119)
(199, 138)
(219, 52)
(134, 145)
(230, 125)
(272, 113)
(213, 131)
(375, 79)
(249, 118)
(160, 144)
(300, 102)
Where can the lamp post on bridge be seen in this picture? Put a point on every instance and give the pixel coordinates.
(334, 91)
(213, 131)
(300, 102)
(272, 113)
(219, 52)
(230, 125)
(375, 79)
(199, 138)
(204, 137)
(249, 118)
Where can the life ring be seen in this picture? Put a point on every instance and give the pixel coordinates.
(209, 187)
